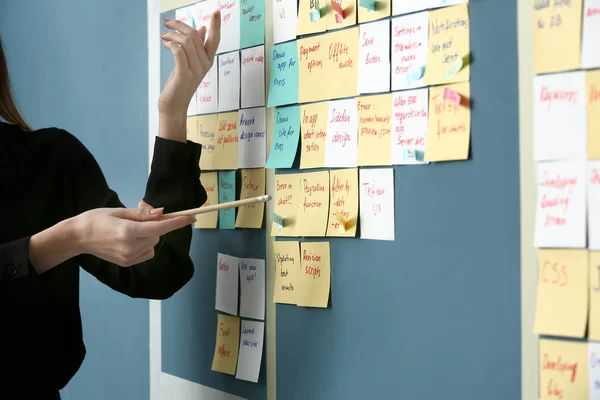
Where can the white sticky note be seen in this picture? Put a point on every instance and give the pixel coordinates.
(202, 13)
(230, 25)
(342, 137)
(377, 204)
(374, 57)
(590, 48)
(207, 93)
(252, 138)
(185, 15)
(561, 205)
(594, 370)
(285, 17)
(253, 77)
(193, 106)
(559, 117)
(227, 284)
(410, 35)
(251, 350)
(410, 124)
(229, 81)
(252, 288)
(593, 190)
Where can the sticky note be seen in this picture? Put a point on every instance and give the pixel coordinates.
(229, 81)
(227, 284)
(210, 182)
(556, 35)
(253, 77)
(314, 278)
(207, 92)
(449, 134)
(252, 23)
(409, 6)
(227, 195)
(377, 204)
(252, 288)
(286, 202)
(311, 219)
(286, 134)
(374, 57)
(371, 10)
(287, 266)
(409, 50)
(207, 126)
(562, 296)
(341, 64)
(227, 344)
(594, 293)
(343, 202)
(410, 124)
(592, 80)
(252, 140)
(192, 130)
(202, 12)
(559, 117)
(251, 350)
(285, 17)
(594, 369)
(309, 17)
(313, 130)
(225, 154)
(283, 81)
(448, 44)
(278, 220)
(342, 137)
(230, 25)
(341, 14)
(185, 15)
(374, 129)
(590, 52)
(563, 370)
(252, 185)
(593, 203)
(452, 96)
(560, 206)
(313, 75)
(368, 4)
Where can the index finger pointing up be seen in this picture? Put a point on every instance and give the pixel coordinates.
(214, 36)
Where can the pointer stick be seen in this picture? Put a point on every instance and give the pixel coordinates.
(222, 206)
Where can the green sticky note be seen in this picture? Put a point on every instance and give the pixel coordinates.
(227, 195)
(252, 23)
(286, 134)
(283, 84)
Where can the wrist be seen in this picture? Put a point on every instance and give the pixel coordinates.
(55, 245)
(172, 126)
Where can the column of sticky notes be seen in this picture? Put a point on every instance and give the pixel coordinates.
(567, 230)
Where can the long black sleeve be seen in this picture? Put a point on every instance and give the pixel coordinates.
(14, 262)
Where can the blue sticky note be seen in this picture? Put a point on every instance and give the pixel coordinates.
(414, 76)
(252, 23)
(368, 4)
(227, 195)
(283, 84)
(286, 134)
(315, 16)
(454, 68)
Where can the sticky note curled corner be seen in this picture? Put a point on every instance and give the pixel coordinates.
(315, 14)
(452, 96)
(414, 76)
(338, 10)
(455, 68)
(277, 220)
(368, 4)
(409, 154)
(339, 217)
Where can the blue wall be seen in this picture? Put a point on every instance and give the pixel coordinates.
(82, 66)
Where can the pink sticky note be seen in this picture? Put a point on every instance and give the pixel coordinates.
(451, 95)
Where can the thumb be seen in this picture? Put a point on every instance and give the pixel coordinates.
(139, 214)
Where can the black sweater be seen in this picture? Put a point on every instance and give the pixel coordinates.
(47, 176)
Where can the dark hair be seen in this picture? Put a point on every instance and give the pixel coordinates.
(8, 108)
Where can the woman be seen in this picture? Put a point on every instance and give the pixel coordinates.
(60, 214)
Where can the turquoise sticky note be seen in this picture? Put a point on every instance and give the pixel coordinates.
(414, 76)
(315, 16)
(283, 84)
(286, 134)
(419, 155)
(227, 195)
(368, 4)
(454, 68)
(277, 220)
(252, 23)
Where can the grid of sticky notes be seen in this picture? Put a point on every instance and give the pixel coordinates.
(227, 114)
(567, 227)
(240, 297)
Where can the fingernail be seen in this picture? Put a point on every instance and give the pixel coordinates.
(165, 19)
(163, 33)
(157, 211)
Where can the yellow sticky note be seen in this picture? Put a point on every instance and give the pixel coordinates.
(253, 185)
(287, 200)
(225, 156)
(312, 74)
(313, 128)
(193, 134)
(374, 130)
(313, 209)
(314, 277)
(287, 264)
(207, 133)
(563, 370)
(594, 323)
(449, 48)
(383, 9)
(210, 181)
(228, 341)
(315, 9)
(562, 298)
(341, 64)
(348, 8)
(556, 35)
(593, 113)
(343, 202)
(449, 133)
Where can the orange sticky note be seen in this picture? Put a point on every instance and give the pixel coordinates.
(210, 182)
(253, 185)
(304, 25)
(227, 345)
(593, 113)
(374, 130)
(206, 128)
(313, 74)
(287, 201)
(225, 156)
(594, 322)
(287, 266)
(313, 210)
(563, 370)
(343, 202)
(314, 277)
(341, 64)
